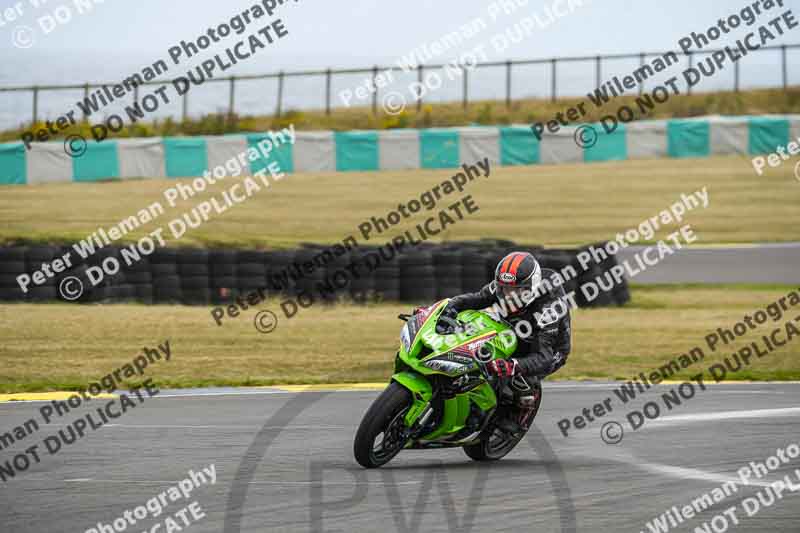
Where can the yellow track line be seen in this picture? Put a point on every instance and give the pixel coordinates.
(64, 395)
(331, 386)
(44, 396)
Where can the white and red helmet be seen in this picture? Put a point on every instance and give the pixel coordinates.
(517, 278)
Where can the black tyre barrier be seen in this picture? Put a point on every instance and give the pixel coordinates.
(8, 280)
(196, 296)
(281, 272)
(196, 282)
(139, 278)
(14, 268)
(42, 293)
(143, 293)
(15, 254)
(250, 284)
(36, 255)
(312, 267)
(167, 295)
(417, 277)
(123, 293)
(361, 285)
(201, 277)
(448, 272)
(222, 263)
(223, 282)
(163, 269)
(11, 295)
(387, 282)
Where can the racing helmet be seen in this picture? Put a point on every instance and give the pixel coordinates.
(517, 278)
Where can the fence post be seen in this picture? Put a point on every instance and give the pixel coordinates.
(328, 92)
(598, 72)
(280, 94)
(783, 67)
(553, 86)
(185, 110)
(641, 64)
(466, 87)
(419, 91)
(736, 76)
(691, 64)
(85, 98)
(35, 104)
(231, 98)
(375, 93)
(135, 94)
(508, 84)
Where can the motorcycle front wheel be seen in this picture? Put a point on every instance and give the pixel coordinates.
(380, 436)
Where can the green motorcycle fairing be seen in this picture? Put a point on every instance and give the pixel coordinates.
(425, 353)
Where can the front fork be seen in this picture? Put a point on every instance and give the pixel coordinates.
(421, 394)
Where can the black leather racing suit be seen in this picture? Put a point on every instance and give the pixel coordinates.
(544, 342)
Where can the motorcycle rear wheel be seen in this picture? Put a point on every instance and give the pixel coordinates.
(383, 422)
(493, 447)
(498, 443)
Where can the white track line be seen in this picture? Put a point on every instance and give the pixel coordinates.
(694, 474)
(343, 483)
(624, 457)
(551, 387)
(725, 415)
(166, 482)
(254, 426)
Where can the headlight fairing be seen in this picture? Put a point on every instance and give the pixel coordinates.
(405, 337)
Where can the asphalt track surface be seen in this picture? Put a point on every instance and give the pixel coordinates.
(284, 463)
(747, 263)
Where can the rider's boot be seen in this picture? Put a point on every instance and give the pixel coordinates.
(523, 410)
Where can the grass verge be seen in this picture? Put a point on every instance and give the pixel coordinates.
(448, 114)
(58, 347)
(551, 205)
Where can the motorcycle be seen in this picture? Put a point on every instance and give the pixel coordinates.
(441, 394)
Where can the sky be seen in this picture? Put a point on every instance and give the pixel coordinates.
(118, 37)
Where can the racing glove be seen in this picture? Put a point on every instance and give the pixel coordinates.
(504, 368)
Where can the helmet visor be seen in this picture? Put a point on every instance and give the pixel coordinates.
(516, 294)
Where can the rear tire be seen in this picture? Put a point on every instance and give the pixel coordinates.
(383, 417)
(498, 443)
(488, 449)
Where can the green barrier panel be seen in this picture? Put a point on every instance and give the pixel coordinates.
(688, 138)
(439, 149)
(185, 157)
(99, 162)
(608, 147)
(518, 146)
(767, 134)
(282, 155)
(356, 150)
(13, 170)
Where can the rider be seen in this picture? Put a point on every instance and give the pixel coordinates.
(532, 300)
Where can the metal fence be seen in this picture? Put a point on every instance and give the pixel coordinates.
(375, 70)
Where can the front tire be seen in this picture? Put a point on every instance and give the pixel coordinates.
(379, 437)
